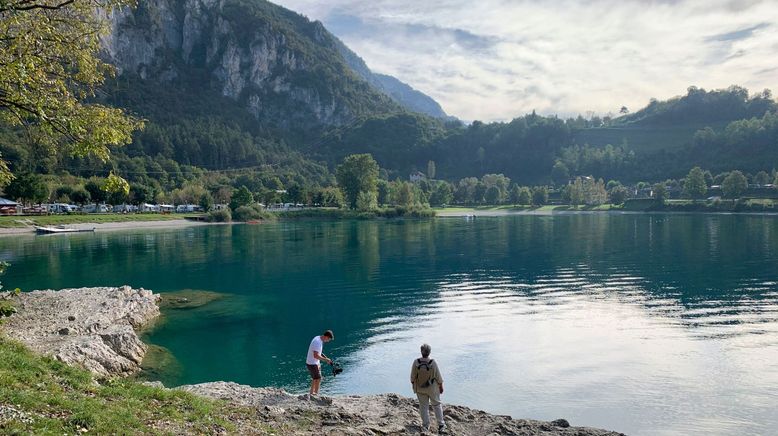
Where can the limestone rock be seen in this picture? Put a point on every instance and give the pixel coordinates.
(91, 327)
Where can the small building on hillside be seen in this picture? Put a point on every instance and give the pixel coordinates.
(417, 176)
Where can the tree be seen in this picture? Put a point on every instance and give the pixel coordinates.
(660, 193)
(28, 188)
(442, 194)
(366, 201)
(525, 196)
(358, 173)
(117, 187)
(62, 193)
(49, 69)
(431, 170)
(492, 195)
(734, 185)
(383, 192)
(95, 190)
(694, 185)
(465, 192)
(560, 174)
(762, 178)
(514, 194)
(241, 197)
(80, 196)
(402, 193)
(618, 195)
(540, 195)
(206, 201)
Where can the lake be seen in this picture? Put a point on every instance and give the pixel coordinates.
(645, 324)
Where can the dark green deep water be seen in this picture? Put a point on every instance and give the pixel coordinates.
(646, 324)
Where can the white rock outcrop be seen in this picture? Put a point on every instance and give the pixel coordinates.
(91, 327)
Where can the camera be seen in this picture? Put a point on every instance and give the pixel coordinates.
(336, 369)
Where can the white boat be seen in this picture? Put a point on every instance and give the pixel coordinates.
(43, 230)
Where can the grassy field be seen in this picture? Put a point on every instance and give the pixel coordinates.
(47, 220)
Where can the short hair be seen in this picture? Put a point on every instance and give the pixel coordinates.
(425, 350)
(329, 334)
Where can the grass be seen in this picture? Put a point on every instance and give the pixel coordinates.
(54, 398)
(47, 220)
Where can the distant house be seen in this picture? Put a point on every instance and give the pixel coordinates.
(417, 176)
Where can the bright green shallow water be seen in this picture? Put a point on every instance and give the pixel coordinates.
(646, 324)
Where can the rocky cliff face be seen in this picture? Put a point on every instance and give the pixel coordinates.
(284, 69)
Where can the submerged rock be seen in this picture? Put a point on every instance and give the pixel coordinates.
(188, 299)
(90, 327)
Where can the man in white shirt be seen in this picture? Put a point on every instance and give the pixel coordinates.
(315, 355)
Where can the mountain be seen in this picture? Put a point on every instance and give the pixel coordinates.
(402, 93)
(275, 64)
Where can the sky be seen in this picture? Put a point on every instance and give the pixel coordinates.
(493, 60)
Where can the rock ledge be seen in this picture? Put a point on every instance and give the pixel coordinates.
(91, 327)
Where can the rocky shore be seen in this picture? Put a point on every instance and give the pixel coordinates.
(96, 329)
(91, 327)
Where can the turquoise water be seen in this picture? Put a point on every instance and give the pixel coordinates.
(645, 324)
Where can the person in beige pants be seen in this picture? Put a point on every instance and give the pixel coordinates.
(427, 384)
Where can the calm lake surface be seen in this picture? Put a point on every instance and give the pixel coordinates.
(645, 324)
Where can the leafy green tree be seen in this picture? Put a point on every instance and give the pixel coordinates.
(540, 195)
(62, 193)
(734, 185)
(660, 193)
(762, 178)
(442, 194)
(358, 173)
(514, 194)
(694, 185)
(241, 197)
(618, 195)
(49, 70)
(480, 193)
(367, 201)
(383, 192)
(28, 188)
(95, 189)
(80, 196)
(560, 174)
(492, 195)
(719, 179)
(140, 194)
(206, 201)
(465, 192)
(117, 187)
(525, 196)
(402, 193)
(431, 170)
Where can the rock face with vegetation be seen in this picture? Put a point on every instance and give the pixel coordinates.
(388, 414)
(284, 69)
(91, 327)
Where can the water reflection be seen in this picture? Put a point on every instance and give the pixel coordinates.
(664, 324)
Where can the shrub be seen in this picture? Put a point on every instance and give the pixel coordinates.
(219, 216)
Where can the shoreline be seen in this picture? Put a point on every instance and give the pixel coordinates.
(118, 225)
(551, 212)
(97, 329)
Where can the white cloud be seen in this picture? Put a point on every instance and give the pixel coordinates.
(497, 59)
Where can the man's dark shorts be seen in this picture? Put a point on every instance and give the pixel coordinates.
(315, 371)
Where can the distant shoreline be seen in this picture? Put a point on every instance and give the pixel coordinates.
(550, 212)
(119, 225)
